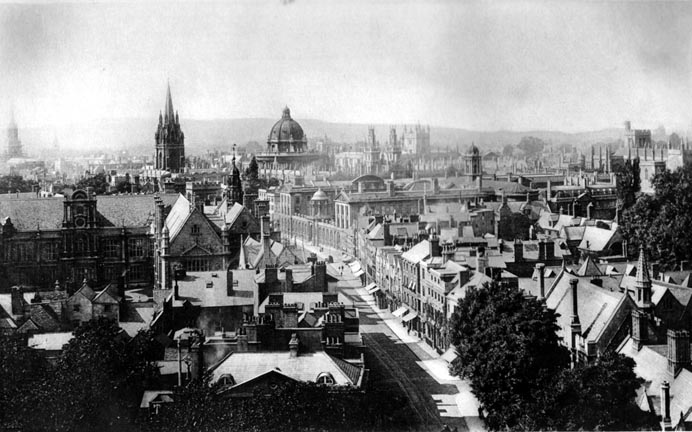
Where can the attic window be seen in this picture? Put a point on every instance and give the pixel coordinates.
(325, 378)
(195, 229)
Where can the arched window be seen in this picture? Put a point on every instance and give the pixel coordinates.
(325, 378)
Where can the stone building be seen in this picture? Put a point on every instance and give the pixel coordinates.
(102, 239)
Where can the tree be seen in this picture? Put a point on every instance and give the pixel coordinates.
(508, 347)
(661, 222)
(628, 184)
(97, 381)
(595, 396)
(252, 171)
(22, 370)
(531, 146)
(98, 182)
(508, 150)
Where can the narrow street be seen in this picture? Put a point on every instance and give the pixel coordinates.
(400, 363)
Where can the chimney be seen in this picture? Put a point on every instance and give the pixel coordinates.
(549, 246)
(293, 345)
(548, 190)
(665, 406)
(229, 283)
(289, 280)
(434, 243)
(390, 188)
(290, 315)
(17, 302)
(678, 351)
(481, 261)
(656, 271)
(320, 269)
(640, 330)
(518, 251)
(575, 325)
(541, 250)
(541, 279)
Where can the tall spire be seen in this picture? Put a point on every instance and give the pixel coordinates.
(170, 114)
(642, 282)
(642, 268)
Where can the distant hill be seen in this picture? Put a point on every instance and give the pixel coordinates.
(137, 135)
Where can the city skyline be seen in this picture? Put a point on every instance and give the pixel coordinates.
(513, 66)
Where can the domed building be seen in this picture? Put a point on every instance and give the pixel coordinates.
(287, 145)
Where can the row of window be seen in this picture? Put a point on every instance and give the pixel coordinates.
(50, 251)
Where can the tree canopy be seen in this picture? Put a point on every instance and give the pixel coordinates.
(661, 222)
(509, 350)
(628, 184)
(531, 145)
(99, 182)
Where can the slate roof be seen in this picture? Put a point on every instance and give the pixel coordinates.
(306, 367)
(589, 268)
(418, 252)
(305, 299)
(596, 306)
(206, 290)
(651, 364)
(44, 317)
(28, 214)
(598, 239)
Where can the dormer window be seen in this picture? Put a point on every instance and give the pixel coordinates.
(325, 378)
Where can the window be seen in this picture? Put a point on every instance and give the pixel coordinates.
(111, 248)
(77, 307)
(325, 378)
(136, 272)
(197, 264)
(136, 247)
(195, 229)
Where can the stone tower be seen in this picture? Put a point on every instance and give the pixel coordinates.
(372, 153)
(235, 186)
(170, 140)
(14, 145)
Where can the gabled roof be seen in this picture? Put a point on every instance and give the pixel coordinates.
(44, 317)
(589, 268)
(418, 252)
(246, 366)
(86, 291)
(598, 239)
(598, 309)
(651, 364)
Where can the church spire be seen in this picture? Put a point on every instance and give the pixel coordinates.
(170, 114)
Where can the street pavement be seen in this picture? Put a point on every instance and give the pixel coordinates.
(436, 397)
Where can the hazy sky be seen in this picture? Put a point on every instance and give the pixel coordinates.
(477, 65)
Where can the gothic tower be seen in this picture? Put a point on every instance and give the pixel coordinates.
(14, 146)
(170, 140)
(372, 153)
(235, 187)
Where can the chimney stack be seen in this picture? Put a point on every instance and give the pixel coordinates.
(518, 251)
(481, 261)
(665, 406)
(434, 243)
(575, 325)
(293, 345)
(229, 283)
(541, 279)
(678, 351)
